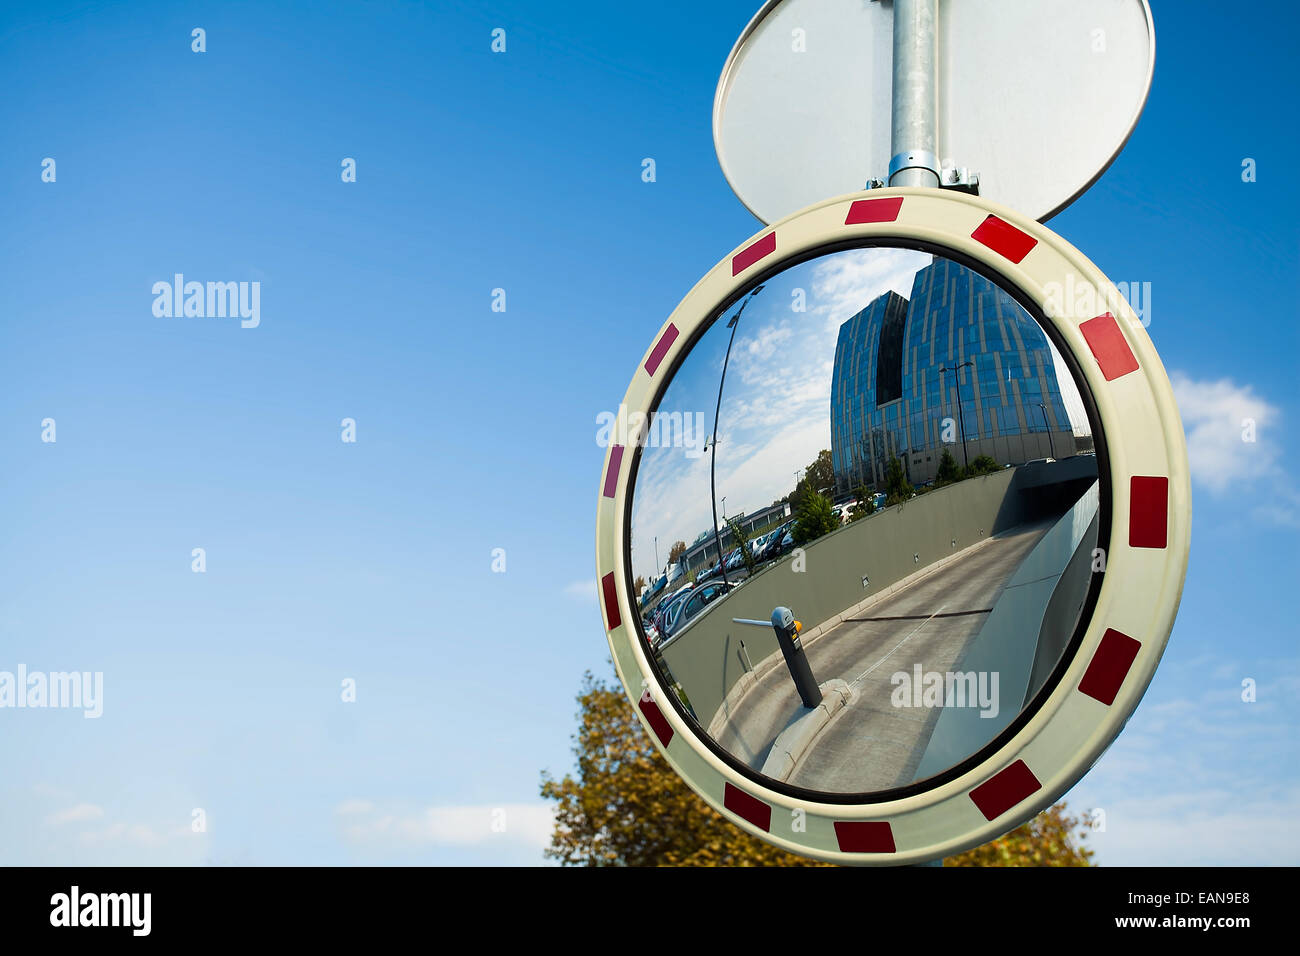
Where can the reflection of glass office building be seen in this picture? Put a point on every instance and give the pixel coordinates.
(890, 398)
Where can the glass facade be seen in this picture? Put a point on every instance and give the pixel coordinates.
(901, 385)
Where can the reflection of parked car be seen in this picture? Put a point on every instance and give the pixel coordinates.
(709, 572)
(772, 547)
(659, 613)
(691, 608)
(663, 613)
(735, 559)
(672, 610)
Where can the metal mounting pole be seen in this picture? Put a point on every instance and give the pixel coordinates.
(915, 94)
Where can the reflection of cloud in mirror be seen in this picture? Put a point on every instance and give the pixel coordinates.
(847, 281)
(775, 414)
(1070, 393)
(776, 410)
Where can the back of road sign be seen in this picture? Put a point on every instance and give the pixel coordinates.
(1035, 96)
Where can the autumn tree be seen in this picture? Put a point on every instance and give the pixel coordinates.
(627, 807)
(676, 551)
(624, 806)
(1050, 839)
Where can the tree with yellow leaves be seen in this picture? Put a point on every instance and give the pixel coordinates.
(1050, 839)
(627, 807)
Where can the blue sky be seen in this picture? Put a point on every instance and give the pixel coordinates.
(372, 561)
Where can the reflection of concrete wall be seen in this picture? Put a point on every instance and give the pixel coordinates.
(1062, 612)
(886, 547)
(1032, 608)
(1004, 449)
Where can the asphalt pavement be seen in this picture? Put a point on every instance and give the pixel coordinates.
(871, 744)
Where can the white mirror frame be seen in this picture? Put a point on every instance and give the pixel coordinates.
(1150, 510)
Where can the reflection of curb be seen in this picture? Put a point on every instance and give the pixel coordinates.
(747, 682)
(867, 603)
(751, 678)
(793, 742)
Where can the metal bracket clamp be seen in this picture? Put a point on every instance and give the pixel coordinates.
(913, 159)
(959, 178)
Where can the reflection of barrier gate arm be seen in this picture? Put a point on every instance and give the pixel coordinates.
(787, 636)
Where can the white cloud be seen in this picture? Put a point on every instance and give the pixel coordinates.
(138, 834)
(76, 814)
(363, 824)
(1283, 510)
(1201, 778)
(1203, 828)
(152, 827)
(583, 590)
(1216, 415)
(351, 807)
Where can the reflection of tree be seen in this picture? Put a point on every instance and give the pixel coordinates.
(626, 807)
(948, 470)
(897, 488)
(815, 518)
(741, 537)
(676, 551)
(865, 505)
(817, 477)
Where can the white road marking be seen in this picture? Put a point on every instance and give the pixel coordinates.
(858, 680)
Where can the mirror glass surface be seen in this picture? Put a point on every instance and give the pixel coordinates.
(887, 444)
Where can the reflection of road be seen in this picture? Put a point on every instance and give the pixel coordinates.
(871, 745)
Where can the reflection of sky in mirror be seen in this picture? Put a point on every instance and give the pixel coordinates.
(776, 400)
(775, 414)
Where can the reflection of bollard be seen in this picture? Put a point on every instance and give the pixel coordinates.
(787, 635)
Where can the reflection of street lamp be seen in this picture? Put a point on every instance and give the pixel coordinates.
(1050, 443)
(713, 459)
(724, 507)
(961, 419)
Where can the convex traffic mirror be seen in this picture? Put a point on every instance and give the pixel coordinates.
(885, 568)
(901, 458)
